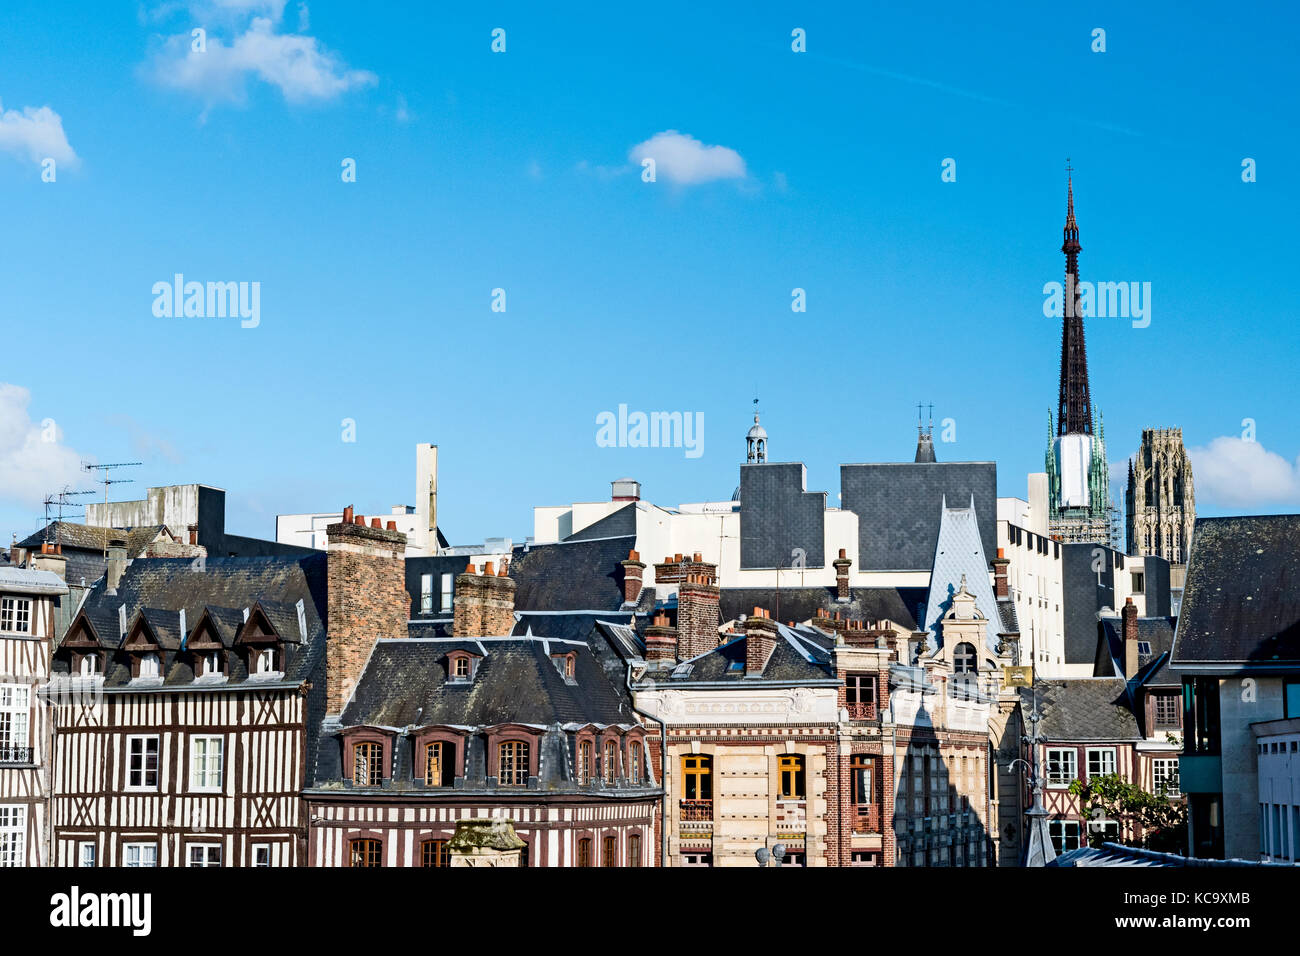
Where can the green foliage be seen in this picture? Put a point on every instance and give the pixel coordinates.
(1111, 797)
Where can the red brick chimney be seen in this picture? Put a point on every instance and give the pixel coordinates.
(1000, 589)
(660, 640)
(698, 610)
(760, 640)
(633, 573)
(1129, 618)
(842, 564)
(366, 600)
(484, 602)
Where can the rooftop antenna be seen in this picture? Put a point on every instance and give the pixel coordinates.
(105, 480)
(60, 501)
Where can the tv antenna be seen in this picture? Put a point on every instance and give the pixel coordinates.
(58, 500)
(105, 480)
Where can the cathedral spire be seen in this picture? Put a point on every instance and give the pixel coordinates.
(1074, 412)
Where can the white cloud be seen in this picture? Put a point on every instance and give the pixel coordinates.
(293, 63)
(685, 160)
(33, 461)
(1237, 473)
(37, 133)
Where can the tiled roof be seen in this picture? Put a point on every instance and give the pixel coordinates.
(1241, 602)
(1095, 708)
(571, 575)
(899, 605)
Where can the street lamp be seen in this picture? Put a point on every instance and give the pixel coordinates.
(772, 857)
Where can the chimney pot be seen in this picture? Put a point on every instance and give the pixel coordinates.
(698, 559)
(392, 526)
(489, 569)
(374, 523)
(360, 519)
(677, 558)
(843, 553)
(633, 556)
(347, 515)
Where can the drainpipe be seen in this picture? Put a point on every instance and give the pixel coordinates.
(663, 769)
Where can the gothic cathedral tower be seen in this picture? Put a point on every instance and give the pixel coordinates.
(1161, 505)
(1077, 474)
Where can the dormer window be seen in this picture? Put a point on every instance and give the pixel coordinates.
(150, 666)
(460, 667)
(566, 664)
(264, 662)
(89, 665)
(210, 665)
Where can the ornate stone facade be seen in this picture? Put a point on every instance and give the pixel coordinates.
(1161, 503)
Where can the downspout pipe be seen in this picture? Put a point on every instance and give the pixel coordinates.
(663, 768)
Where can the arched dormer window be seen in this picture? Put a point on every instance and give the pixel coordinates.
(634, 761)
(609, 763)
(513, 763)
(584, 762)
(964, 660)
(461, 666)
(367, 763)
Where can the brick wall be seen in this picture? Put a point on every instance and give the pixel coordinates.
(367, 600)
(484, 602)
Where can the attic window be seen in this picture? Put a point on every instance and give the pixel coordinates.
(264, 663)
(736, 666)
(566, 664)
(460, 667)
(149, 665)
(89, 665)
(1144, 650)
(210, 664)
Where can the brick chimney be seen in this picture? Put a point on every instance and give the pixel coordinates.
(1129, 618)
(697, 610)
(1000, 589)
(367, 600)
(633, 572)
(842, 564)
(484, 602)
(760, 641)
(660, 640)
(50, 558)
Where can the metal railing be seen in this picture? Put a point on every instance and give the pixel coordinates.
(15, 755)
(866, 711)
(696, 810)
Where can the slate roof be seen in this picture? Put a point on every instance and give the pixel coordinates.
(800, 654)
(1154, 671)
(1115, 854)
(570, 625)
(958, 554)
(30, 581)
(900, 605)
(583, 575)
(1092, 708)
(91, 537)
(1007, 616)
(405, 683)
(616, 524)
(1241, 602)
(897, 505)
(159, 588)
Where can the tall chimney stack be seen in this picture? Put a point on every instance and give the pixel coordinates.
(760, 640)
(633, 574)
(116, 563)
(1000, 589)
(1129, 619)
(842, 565)
(366, 600)
(698, 610)
(484, 602)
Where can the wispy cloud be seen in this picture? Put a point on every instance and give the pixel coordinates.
(684, 160)
(34, 461)
(144, 442)
(295, 64)
(1237, 473)
(35, 133)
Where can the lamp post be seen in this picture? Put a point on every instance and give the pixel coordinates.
(772, 857)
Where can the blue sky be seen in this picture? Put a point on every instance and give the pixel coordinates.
(517, 170)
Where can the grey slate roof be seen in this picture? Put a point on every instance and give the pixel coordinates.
(405, 683)
(800, 654)
(30, 581)
(582, 575)
(900, 605)
(159, 588)
(897, 505)
(1157, 631)
(618, 524)
(1115, 854)
(959, 554)
(1095, 708)
(1241, 602)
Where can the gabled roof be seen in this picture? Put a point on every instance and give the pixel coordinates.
(800, 654)
(85, 537)
(1158, 632)
(958, 554)
(1091, 708)
(157, 589)
(1241, 602)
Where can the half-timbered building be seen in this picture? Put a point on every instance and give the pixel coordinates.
(179, 704)
(29, 617)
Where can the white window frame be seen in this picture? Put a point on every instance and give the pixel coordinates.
(86, 851)
(89, 665)
(261, 852)
(210, 664)
(1072, 761)
(266, 656)
(426, 593)
(1102, 751)
(15, 611)
(208, 855)
(143, 770)
(15, 716)
(1157, 772)
(1060, 828)
(146, 854)
(202, 772)
(13, 835)
(150, 665)
(447, 587)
